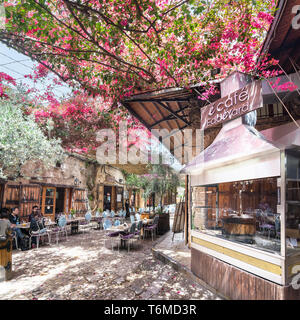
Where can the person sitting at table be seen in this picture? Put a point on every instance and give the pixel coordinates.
(5, 225)
(15, 220)
(264, 205)
(35, 209)
(37, 224)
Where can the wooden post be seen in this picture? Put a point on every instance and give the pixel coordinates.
(6, 260)
(186, 211)
(113, 198)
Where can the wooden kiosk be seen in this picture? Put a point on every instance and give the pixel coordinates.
(244, 213)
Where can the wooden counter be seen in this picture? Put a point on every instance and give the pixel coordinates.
(239, 225)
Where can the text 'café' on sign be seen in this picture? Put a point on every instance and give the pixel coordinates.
(236, 104)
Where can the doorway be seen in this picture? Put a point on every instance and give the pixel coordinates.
(60, 200)
(107, 197)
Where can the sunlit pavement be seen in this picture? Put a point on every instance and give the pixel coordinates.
(83, 268)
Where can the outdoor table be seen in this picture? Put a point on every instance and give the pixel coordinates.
(23, 225)
(74, 224)
(120, 228)
(98, 220)
(27, 225)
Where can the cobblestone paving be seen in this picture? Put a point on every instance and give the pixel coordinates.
(82, 268)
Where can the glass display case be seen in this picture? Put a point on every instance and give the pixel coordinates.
(262, 214)
(241, 211)
(292, 218)
(293, 200)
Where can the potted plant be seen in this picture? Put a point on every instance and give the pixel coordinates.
(72, 213)
(163, 225)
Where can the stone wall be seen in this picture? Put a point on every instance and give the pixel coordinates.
(88, 173)
(72, 168)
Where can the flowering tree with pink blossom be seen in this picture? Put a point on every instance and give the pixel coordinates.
(117, 48)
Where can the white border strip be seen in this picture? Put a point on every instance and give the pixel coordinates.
(252, 252)
(242, 265)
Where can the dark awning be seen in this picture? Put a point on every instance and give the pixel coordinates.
(175, 108)
(282, 41)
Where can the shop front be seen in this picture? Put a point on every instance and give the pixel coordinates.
(52, 199)
(245, 212)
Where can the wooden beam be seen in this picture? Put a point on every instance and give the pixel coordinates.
(161, 114)
(159, 100)
(171, 117)
(172, 112)
(129, 108)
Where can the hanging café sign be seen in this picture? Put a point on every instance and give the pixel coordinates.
(232, 106)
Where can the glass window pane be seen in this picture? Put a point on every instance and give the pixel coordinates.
(49, 201)
(48, 209)
(293, 201)
(241, 211)
(50, 193)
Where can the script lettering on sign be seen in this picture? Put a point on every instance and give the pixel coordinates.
(232, 106)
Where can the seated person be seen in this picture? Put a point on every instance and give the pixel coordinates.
(37, 223)
(5, 226)
(15, 220)
(35, 209)
(264, 206)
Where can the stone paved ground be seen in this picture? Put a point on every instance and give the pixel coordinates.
(83, 268)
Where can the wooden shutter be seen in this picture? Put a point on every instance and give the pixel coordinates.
(80, 201)
(119, 199)
(68, 200)
(113, 198)
(30, 195)
(11, 197)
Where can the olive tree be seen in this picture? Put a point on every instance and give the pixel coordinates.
(21, 139)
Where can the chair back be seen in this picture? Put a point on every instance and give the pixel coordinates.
(155, 220)
(117, 223)
(137, 217)
(97, 214)
(112, 213)
(140, 225)
(62, 221)
(132, 228)
(106, 224)
(132, 220)
(88, 216)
